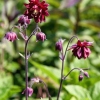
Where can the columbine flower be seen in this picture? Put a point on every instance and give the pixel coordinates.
(30, 91)
(37, 10)
(81, 50)
(11, 36)
(40, 36)
(59, 45)
(23, 20)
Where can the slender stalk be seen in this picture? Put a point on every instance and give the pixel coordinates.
(46, 90)
(26, 61)
(69, 43)
(61, 81)
(73, 70)
(63, 55)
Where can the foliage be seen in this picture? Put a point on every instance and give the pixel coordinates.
(81, 19)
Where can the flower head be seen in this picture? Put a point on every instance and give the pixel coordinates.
(59, 45)
(81, 50)
(40, 36)
(11, 36)
(23, 20)
(30, 91)
(37, 10)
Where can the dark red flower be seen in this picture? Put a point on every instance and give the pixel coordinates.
(37, 10)
(11, 36)
(81, 50)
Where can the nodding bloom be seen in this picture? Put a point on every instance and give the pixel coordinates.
(59, 45)
(23, 20)
(40, 36)
(81, 50)
(11, 36)
(30, 91)
(37, 10)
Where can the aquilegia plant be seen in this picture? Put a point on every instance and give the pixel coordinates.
(38, 10)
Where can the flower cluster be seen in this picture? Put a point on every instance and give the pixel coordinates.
(37, 10)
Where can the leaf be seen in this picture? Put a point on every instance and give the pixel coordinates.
(5, 84)
(95, 91)
(50, 72)
(95, 26)
(79, 92)
(12, 66)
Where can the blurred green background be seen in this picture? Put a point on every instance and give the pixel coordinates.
(82, 18)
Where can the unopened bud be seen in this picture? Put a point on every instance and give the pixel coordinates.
(40, 36)
(59, 45)
(81, 77)
(23, 20)
(86, 74)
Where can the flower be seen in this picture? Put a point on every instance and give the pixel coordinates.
(30, 91)
(37, 10)
(23, 20)
(11, 36)
(81, 50)
(40, 36)
(59, 45)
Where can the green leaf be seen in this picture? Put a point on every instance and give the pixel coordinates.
(95, 91)
(79, 92)
(50, 72)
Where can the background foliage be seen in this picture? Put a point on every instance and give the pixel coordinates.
(82, 18)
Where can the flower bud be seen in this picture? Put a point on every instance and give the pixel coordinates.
(23, 20)
(81, 77)
(59, 45)
(40, 36)
(86, 74)
(11, 36)
(30, 91)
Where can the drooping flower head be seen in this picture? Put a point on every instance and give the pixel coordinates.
(23, 20)
(40, 36)
(30, 91)
(81, 50)
(11, 36)
(37, 10)
(59, 45)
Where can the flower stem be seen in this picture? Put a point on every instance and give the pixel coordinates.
(63, 55)
(26, 61)
(61, 81)
(46, 90)
(73, 70)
